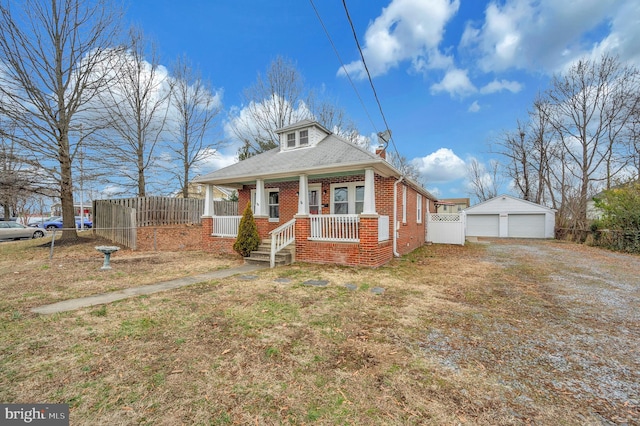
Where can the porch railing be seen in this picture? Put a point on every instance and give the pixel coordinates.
(226, 226)
(281, 237)
(335, 227)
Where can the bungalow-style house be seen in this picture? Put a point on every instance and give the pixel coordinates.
(330, 199)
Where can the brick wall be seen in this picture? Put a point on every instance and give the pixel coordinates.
(368, 252)
(214, 244)
(169, 238)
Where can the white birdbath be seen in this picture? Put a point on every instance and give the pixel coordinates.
(107, 250)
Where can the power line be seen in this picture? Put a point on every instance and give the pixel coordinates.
(335, 50)
(364, 63)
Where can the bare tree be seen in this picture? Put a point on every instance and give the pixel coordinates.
(484, 184)
(136, 105)
(196, 108)
(517, 147)
(405, 167)
(587, 107)
(271, 103)
(51, 52)
(278, 99)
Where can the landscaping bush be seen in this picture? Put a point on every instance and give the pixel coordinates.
(619, 227)
(248, 238)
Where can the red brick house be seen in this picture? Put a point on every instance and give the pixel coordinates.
(337, 202)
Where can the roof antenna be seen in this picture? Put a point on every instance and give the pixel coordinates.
(384, 138)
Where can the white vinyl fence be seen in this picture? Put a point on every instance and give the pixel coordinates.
(446, 228)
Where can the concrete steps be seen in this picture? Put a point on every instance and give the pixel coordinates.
(262, 255)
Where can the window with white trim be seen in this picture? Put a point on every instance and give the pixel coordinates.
(304, 137)
(273, 203)
(404, 204)
(419, 208)
(347, 198)
(296, 139)
(291, 140)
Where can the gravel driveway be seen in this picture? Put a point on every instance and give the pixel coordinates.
(557, 325)
(587, 345)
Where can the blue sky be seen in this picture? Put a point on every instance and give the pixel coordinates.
(451, 75)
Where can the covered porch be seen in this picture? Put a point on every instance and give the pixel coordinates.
(328, 219)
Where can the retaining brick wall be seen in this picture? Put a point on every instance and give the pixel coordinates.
(169, 238)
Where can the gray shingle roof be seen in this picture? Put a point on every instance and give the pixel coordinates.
(330, 153)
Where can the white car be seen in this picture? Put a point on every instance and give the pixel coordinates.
(16, 231)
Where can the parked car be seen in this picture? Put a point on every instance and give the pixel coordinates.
(16, 231)
(57, 224)
(38, 220)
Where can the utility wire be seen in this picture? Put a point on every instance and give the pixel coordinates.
(335, 50)
(364, 63)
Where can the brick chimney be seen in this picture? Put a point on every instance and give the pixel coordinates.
(381, 152)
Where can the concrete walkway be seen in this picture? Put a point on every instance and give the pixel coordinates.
(100, 299)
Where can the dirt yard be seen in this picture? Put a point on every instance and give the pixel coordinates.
(496, 332)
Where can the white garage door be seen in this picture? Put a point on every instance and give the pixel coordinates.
(483, 225)
(526, 225)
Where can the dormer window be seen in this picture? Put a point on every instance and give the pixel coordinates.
(304, 137)
(303, 134)
(291, 140)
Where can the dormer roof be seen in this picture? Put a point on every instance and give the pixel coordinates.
(301, 125)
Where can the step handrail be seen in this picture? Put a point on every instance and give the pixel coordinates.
(281, 237)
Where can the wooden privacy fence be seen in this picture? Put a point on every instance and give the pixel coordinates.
(118, 219)
(155, 211)
(115, 222)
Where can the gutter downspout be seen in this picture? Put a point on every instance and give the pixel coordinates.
(395, 216)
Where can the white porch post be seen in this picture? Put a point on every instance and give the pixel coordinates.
(208, 200)
(369, 192)
(303, 195)
(259, 208)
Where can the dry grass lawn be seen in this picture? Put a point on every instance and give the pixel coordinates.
(480, 334)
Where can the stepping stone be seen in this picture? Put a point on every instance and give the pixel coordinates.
(377, 290)
(317, 283)
(282, 280)
(248, 277)
(351, 287)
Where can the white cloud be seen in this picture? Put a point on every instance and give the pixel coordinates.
(548, 34)
(406, 30)
(440, 166)
(456, 83)
(217, 160)
(243, 120)
(474, 107)
(498, 86)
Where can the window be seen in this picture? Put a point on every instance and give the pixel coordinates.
(304, 137)
(315, 199)
(404, 204)
(274, 205)
(419, 208)
(347, 198)
(359, 199)
(291, 140)
(341, 200)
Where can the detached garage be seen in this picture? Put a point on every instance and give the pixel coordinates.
(506, 216)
